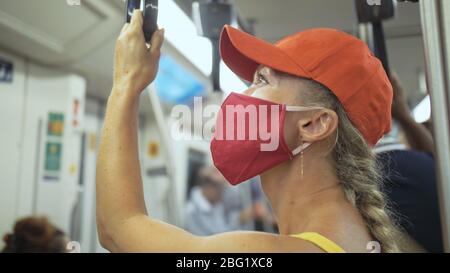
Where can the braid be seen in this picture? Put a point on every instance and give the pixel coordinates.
(357, 171)
(359, 174)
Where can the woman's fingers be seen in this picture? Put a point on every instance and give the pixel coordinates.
(124, 29)
(135, 24)
(155, 49)
(133, 56)
(157, 42)
(137, 20)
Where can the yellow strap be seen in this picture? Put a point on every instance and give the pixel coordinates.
(324, 243)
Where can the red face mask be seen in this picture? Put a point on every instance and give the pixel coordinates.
(249, 137)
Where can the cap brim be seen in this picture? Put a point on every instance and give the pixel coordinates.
(243, 53)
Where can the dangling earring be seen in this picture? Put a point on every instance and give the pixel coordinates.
(301, 163)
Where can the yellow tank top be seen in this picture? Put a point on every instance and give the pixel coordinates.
(320, 241)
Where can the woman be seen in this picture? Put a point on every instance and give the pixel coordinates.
(35, 235)
(325, 193)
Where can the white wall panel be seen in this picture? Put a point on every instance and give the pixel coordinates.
(11, 116)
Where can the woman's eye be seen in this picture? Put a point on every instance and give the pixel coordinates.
(260, 79)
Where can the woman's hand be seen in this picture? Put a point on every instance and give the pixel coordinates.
(135, 64)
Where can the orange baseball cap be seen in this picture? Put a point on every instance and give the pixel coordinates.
(337, 60)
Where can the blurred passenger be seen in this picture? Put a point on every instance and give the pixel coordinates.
(214, 207)
(410, 181)
(205, 213)
(238, 205)
(246, 207)
(262, 214)
(35, 235)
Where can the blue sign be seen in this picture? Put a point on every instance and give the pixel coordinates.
(175, 84)
(6, 71)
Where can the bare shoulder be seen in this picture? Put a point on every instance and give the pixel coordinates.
(256, 242)
(143, 234)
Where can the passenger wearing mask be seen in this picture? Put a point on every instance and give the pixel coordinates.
(323, 99)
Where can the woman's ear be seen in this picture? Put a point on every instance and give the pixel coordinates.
(318, 126)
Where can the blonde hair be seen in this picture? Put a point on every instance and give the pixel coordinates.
(357, 170)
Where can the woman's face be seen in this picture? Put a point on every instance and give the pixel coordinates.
(270, 85)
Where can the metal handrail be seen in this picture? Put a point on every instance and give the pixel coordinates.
(437, 63)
